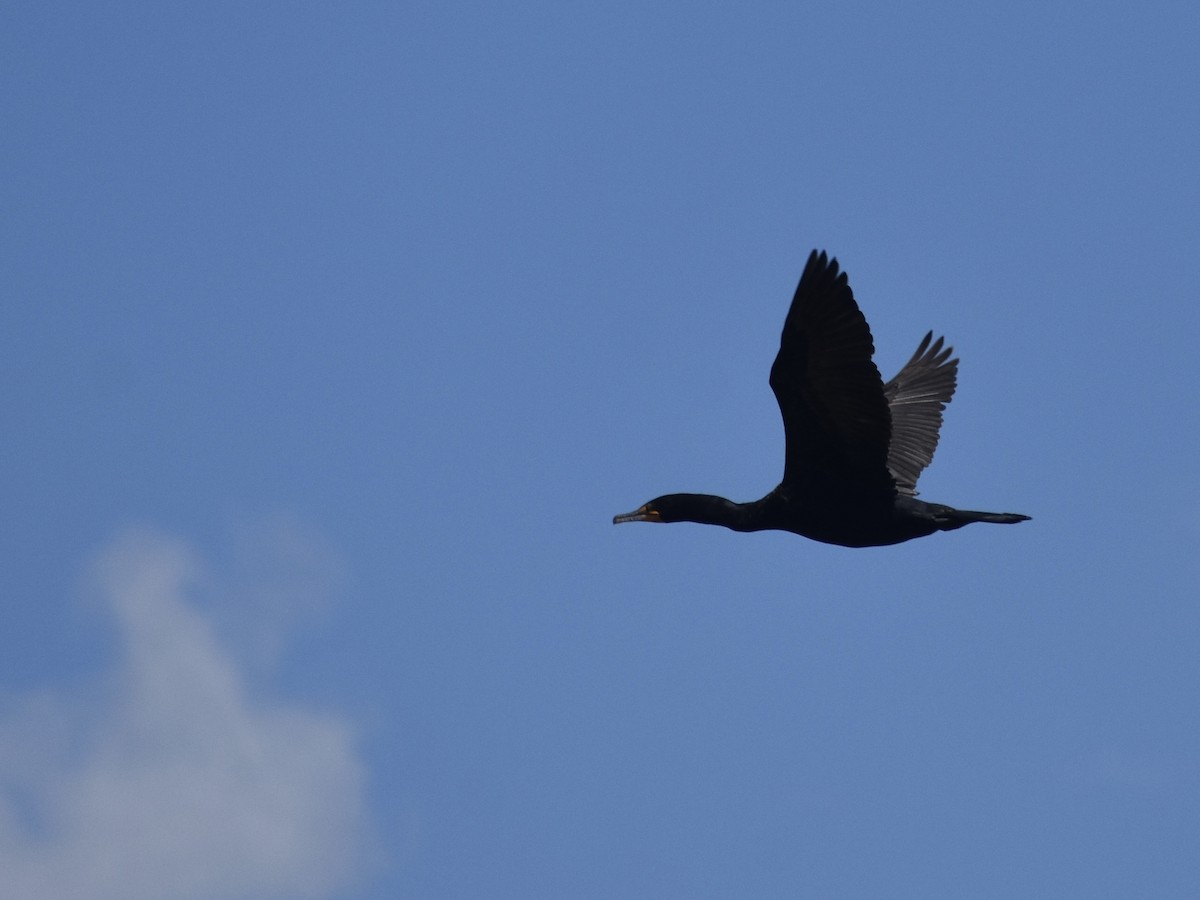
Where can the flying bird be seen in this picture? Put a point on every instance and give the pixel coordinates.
(854, 445)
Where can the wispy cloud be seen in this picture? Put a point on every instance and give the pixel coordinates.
(172, 779)
(281, 573)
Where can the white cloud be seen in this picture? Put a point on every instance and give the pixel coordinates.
(171, 780)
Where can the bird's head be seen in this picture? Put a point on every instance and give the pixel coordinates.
(647, 512)
(675, 508)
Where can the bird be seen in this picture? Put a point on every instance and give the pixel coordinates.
(854, 446)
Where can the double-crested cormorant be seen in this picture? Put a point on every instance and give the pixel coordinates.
(855, 446)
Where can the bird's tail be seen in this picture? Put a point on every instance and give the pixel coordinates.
(957, 518)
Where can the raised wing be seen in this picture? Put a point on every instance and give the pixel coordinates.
(916, 398)
(835, 416)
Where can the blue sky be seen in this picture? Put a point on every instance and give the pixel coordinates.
(333, 337)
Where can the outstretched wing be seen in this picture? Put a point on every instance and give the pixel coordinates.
(916, 398)
(835, 415)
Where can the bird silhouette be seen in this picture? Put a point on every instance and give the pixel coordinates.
(855, 446)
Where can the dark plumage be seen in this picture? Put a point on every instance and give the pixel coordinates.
(855, 446)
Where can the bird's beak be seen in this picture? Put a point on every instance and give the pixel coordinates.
(641, 514)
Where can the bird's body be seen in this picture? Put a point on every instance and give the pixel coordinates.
(854, 445)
